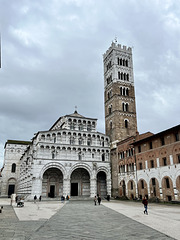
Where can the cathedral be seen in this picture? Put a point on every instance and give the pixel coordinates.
(73, 158)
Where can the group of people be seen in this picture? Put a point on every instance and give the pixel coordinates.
(63, 198)
(35, 199)
(97, 199)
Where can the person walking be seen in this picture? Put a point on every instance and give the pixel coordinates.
(99, 200)
(145, 202)
(39, 198)
(35, 198)
(95, 200)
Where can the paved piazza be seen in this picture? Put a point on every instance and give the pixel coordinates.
(82, 220)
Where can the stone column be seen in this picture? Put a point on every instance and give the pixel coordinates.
(93, 187)
(66, 187)
(108, 182)
(36, 187)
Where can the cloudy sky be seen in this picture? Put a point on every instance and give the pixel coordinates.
(52, 60)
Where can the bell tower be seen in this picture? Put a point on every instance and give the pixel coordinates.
(119, 94)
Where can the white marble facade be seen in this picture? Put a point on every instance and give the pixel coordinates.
(72, 158)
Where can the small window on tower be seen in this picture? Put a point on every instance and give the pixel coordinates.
(126, 123)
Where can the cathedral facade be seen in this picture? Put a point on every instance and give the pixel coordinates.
(71, 158)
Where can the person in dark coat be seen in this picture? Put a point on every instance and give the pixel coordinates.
(35, 198)
(145, 202)
(99, 200)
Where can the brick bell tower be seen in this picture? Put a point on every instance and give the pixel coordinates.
(119, 94)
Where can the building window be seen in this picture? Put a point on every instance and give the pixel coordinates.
(126, 123)
(103, 157)
(164, 161)
(80, 141)
(80, 127)
(152, 163)
(72, 126)
(13, 168)
(110, 109)
(139, 149)
(89, 141)
(142, 184)
(162, 141)
(176, 136)
(53, 155)
(167, 183)
(110, 125)
(140, 166)
(150, 145)
(71, 140)
(127, 92)
(79, 156)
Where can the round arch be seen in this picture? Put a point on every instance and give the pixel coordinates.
(53, 165)
(102, 183)
(11, 186)
(154, 187)
(142, 188)
(131, 186)
(52, 182)
(80, 182)
(167, 188)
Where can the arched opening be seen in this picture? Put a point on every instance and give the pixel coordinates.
(13, 168)
(11, 186)
(154, 188)
(122, 189)
(101, 184)
(80, 183)
(52, 183)
(167, 189)
(142, 189)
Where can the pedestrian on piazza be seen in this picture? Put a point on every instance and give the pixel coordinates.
(145, 202)
(35, 198)
(95, 200)
(99, 199)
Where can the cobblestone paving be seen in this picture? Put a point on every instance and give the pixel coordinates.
(77, 220)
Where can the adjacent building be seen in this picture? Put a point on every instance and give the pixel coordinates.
(142, 164)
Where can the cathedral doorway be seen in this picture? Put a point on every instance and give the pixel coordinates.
(101, 184)
(52, 183)
(11, 189)
(80, 183)
(11, 186)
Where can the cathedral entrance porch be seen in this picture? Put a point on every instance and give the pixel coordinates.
(52, 183)
(80, 183)
(101, 184)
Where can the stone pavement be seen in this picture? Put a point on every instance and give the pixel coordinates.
(78, 220)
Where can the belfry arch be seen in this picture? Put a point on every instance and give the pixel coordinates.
(52, 183)
(80, 183)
